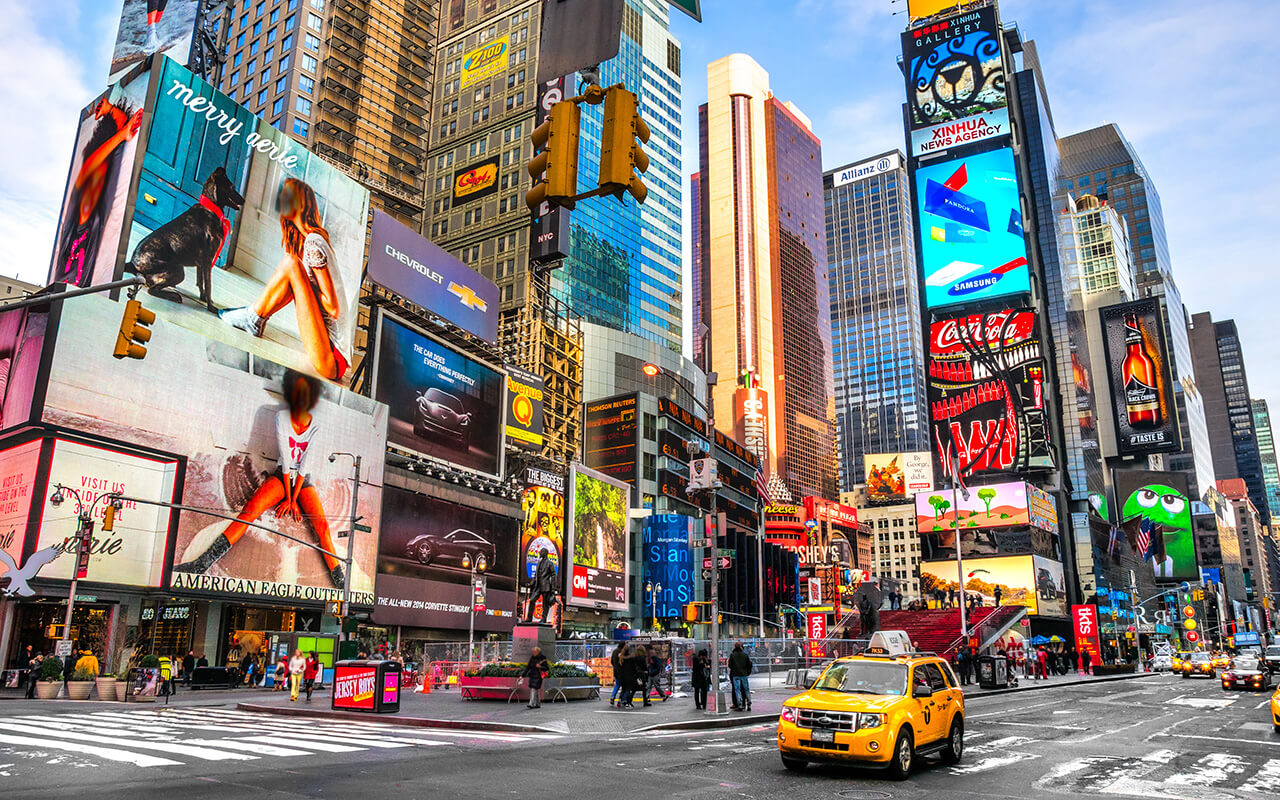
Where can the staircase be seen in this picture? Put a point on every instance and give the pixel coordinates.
(938, 631)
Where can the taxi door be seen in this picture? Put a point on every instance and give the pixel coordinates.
(937, 709)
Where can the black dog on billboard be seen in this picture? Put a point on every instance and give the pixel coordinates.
(192, 239)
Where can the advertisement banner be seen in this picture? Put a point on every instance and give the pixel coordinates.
(994, 520)
(1044, 511)
(427, 550)
(1085, 624)
(18, 466)
(134, 553)
(919, 9)
(611, 436)
(405, 263)
(816, 626)
(354, 687)
(599, 538)
(893, 478)
(244, 431)
(526, 403)
(476, 182)
(549, 229)
(543, 528)
(987, 395)
(22, 343)
(1155, 515)
(866, 169)
(1031, 581)
(955, 82)
(668, 563)
(1141, 377)
(751, 421)
(443, 404)
(485, 62)
(971, 239)
(154, 26)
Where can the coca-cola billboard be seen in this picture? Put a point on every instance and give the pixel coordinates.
(987, 394)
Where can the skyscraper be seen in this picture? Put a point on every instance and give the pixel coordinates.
(1219, 365)
(1267, 452)
(1096, 247)
(762, 277)
(877, 347)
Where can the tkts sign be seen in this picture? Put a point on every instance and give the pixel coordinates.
(987, 393)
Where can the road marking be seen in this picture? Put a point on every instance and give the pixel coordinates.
(992, 762)
(1201, 702)
(1272, 743)
(109, 753)
(173, 748)
(1038, 725)
(324, 747)
(1211, 770)
(1266, 780)
(1019, 710)
(1001, 744)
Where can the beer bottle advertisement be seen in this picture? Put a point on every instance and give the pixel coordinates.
(1141, 381)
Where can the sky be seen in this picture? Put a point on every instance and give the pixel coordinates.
(1180, 78)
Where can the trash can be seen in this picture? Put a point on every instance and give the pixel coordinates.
(993, 672)
(369, 686)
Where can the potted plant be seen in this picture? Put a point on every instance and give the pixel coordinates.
(80, 684)
(121, 684)
(106, 686)
(49, 677)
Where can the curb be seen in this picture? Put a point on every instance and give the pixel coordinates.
(710, 724)
(408, 722)
(1037, 686)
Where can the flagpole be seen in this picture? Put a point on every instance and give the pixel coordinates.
(955, 507)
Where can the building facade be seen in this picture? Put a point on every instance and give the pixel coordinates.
(1267, 453)
(762, 279)
(877, 346)
(1095, 244)
(896, 553)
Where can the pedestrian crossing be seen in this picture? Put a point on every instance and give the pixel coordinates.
(167, 737)
(1165, 773)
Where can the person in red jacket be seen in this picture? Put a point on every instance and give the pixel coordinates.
(1042, 664)
(310, 672)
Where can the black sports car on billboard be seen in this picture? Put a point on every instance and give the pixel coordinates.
(1044, 584)
(441, 413)
(460, 548)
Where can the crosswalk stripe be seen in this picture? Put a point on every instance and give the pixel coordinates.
(171, 748)
(1211, 770)
(109, 753)
(324, 747)
(258, 748)
(992, 762)
(1266, 780)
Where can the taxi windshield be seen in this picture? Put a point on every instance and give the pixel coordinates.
(1199, 658)
(864, 677)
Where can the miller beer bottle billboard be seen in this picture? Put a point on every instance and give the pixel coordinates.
(1141, 383)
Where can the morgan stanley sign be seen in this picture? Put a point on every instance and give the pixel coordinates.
(403, 262)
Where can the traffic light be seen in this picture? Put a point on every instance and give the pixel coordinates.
(109, 521)
(134, 333)
(690, 612)
(620, 157)
(555, 167)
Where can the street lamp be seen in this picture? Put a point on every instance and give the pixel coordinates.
(653, 590)
(478, 566)
(83, 537)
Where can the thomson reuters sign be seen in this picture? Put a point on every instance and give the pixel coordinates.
(476, 181)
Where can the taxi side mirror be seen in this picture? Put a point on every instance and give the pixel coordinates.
(922, 691)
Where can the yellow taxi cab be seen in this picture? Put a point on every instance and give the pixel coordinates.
(1221, 660)
(1198, 663)
(1178, 658)
(1275, 709)
(881, 708)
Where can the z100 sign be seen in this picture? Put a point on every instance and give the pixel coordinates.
(987, 393)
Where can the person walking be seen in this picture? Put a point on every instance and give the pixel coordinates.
(615, 660)
(997, 593)
(33, 667)
(535, 671)
(740, 668)
(701, 679)
(166, 675)
(1042, 664)
(297, 666)
(625, 675)
(641, 657)
(962, 661)
(656, 668)
(1086, 659)
(310, 672)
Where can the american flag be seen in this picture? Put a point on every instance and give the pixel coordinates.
(762, 486)
(1115, 536)
(1143, 539)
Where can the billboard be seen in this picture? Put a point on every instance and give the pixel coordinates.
(751, 422)
(1044, 511)
(971, 239)
(427, 548)
(1141, 376)
(1031, 581)
(18, 465)
(96, 199)
(476, 182)
(405, 263)
(526, 405)
(154, 26)
(986, 393)
(611, 436)
(485, 62)
(1155, 515)
(919, 9)
(228, 413)
(955, 82)
(135, 552)
(994, 520)
(443, 404)
(22, 343)
(549, 228)
(668, 561)
(894, 477)
(599, 539)
(543, 527)
(1084, 621)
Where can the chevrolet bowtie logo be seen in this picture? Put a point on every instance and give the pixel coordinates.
(467, 296)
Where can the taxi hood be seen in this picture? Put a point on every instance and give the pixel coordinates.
(826, 700)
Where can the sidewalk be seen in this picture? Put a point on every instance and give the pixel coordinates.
(1053, 682)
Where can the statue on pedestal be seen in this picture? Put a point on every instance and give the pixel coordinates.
(543, 586)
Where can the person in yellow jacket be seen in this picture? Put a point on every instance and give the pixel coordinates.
(166, 674)
(88, 662)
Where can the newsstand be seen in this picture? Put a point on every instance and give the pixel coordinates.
(370, 686)
(993, 672)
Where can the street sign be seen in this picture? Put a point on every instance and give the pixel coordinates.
(1026, 623)
(725, 562)
(479, 608)
(727, 551)
(362, 528)
(706, 574)
(577, 34)
(691, 7)
(699, 543)
(63, 648)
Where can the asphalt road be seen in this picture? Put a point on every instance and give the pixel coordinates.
(1151, 738)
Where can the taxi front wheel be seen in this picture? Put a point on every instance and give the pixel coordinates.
(903, 755)
(794, 764)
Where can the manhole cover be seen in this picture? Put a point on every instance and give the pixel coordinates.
(863, 794)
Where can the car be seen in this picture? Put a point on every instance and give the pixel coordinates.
(1221, 660)
(460, 547)
(1198, 663)
(1275, 710)
(1161, 662)
(877, 709)
(1271, 657)
(1047, 589)
(442, 414)
(1178, 658)
(1246, 672)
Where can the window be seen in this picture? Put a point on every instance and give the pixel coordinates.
(262, 97)
(278, 106)
(262, 7)
(286, 44)
(281, 85)
(480, 115)
(284, 62)
(252, 68)
(306, 84)
(514, 78)
(271, 36)
(289, 22)
(253, 48)
(257, 28)
(275, 16)
(235, 62)
(478, 148)
(301, 127)
(314, 21)
(312, 43)
(240, 40)
(481, 94)
(318, 5)
(309, 63)
(303, 106)
(235, 78)
(515, 100)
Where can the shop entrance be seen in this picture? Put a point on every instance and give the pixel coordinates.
(165, 628)
(39, 625)
(244, 632)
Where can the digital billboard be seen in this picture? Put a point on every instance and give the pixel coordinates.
(134, 553)
(526, 405)
(405, 263)
(894, 477)
(955, 82)
(1032, 581)
(994, 520)
(611, 436)
(1044, 511)
(1155, 515)
(543, 527)
(971, 239)
(22, 344)
(18, 465)
(986, 391)
(246, 434)
(599, 539)
(427, 548)
(486, 61)
(1141, 377)
(148, 27)
(668, 562)
(476, 182)
(919, 9)
(443, 404)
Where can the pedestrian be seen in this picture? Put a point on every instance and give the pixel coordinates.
(1042, 664)
(33, 671)
(625, 675)
(202, 661)
(88, 662)
(282, 670)
(998, 593)
(951, 598)
(166, 675)
(188, 666)
(656, 668)
(641, 657)
(297, 666)
(1073, 660)
(535, 671)
(615, 660)
(701, 679)
(740, 668)
(310, 672)
(965, 663)
(1086, 659)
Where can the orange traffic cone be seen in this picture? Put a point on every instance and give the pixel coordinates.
(426, 683)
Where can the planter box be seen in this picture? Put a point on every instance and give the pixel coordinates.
(106, 688)
(122, 690)
(475, 688)
(79, 690)
(47, 690)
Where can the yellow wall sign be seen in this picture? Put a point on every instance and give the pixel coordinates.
(485, 62)
(919, 9)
